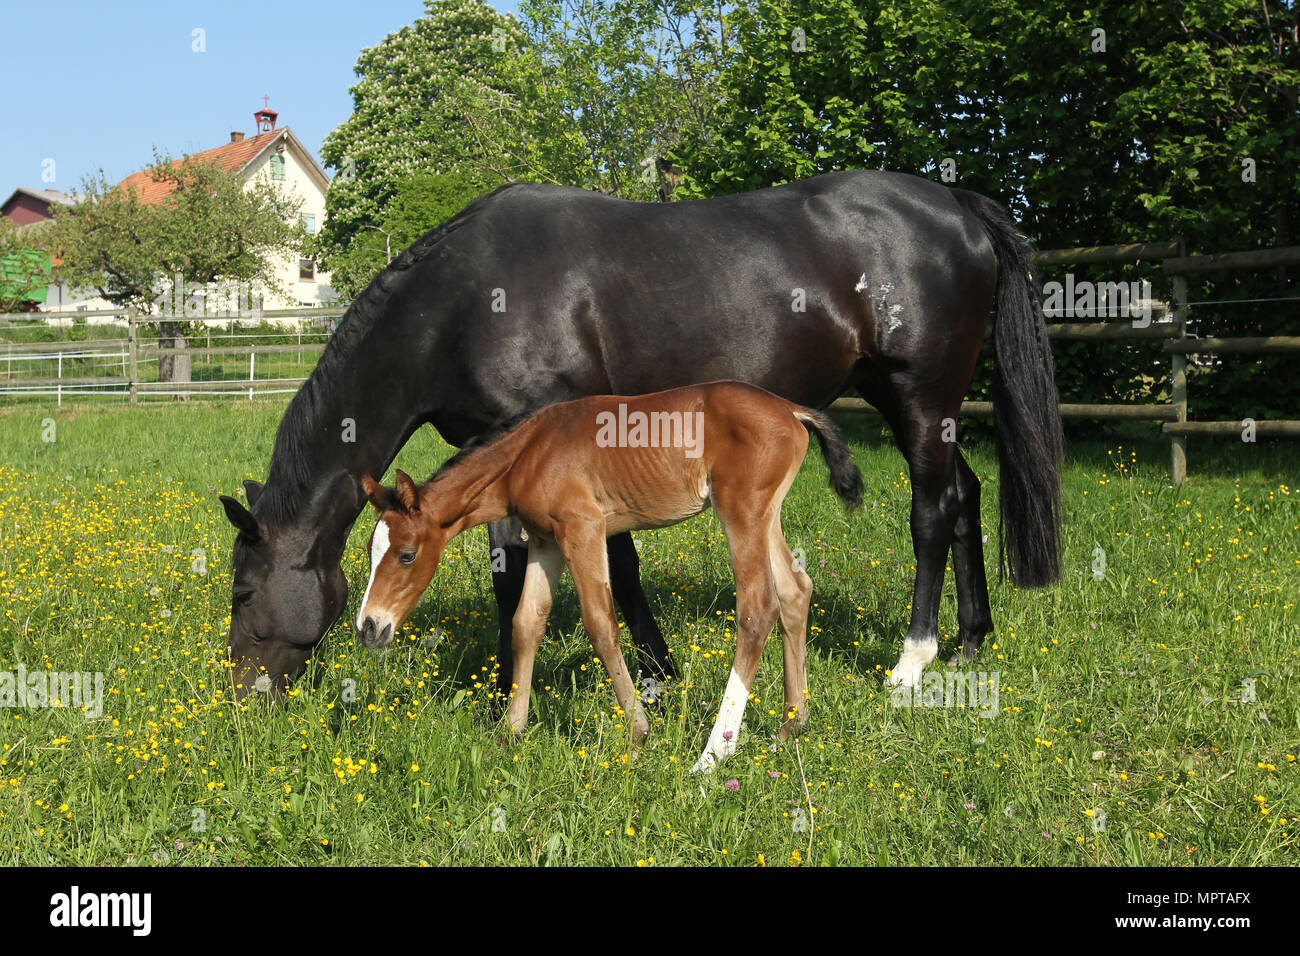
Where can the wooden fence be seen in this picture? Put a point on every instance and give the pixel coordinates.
(129, 354)
(121, 346)
(1173, 330)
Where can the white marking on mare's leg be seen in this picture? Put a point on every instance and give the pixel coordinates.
(378, 548)
(722, 739)
(862, 284)
(916, 655)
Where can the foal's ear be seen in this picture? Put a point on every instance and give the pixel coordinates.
(243, 519)
(374, 492)
(407, 493)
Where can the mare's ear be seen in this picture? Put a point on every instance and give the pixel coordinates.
(253, 489)
(407, 493)
(249, 528)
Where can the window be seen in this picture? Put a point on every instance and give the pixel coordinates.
(306, 269)
(309, 222)
(277, 167)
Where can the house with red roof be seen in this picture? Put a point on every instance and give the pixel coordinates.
(273, 153)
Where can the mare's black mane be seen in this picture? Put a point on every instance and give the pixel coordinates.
(297, 443)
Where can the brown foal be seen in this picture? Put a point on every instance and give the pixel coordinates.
(577, 472)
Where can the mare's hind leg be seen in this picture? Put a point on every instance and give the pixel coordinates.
(583, 542)
(974, 619)
(935, 507)
(756, 611)
(794, 591)
(545, 564)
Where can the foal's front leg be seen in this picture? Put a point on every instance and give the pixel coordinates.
(545, 564)
(583, 542)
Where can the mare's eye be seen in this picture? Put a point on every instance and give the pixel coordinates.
(407, 557)
(244, 598)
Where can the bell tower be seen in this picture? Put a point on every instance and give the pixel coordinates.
(264, 119)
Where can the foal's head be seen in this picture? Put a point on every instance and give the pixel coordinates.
(404, 551)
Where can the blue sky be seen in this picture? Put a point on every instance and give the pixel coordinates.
(95, 85)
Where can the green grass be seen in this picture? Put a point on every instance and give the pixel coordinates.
(1122, 695)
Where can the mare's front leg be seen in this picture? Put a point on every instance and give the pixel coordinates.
(508, 554)
(545, 565)
(583, 543)
(625, 581)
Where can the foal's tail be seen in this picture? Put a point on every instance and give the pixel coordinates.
(1026, 416)
(846, 480)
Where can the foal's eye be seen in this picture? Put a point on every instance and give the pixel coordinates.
(407, 557)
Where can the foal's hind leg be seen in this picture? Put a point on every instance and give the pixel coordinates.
(583, 542)
(974, 619)
(756, 611)
(794, 590)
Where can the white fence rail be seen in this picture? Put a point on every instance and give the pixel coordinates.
(126, 355)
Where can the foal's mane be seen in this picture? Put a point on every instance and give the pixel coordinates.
(484, 440)
(294, 460)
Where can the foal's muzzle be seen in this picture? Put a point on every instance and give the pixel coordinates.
(373, 637)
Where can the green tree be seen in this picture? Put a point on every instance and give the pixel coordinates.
(407, 119)
(587, 93)
(419, 204)
(600, 93)
(1106, 123)
(211, 227)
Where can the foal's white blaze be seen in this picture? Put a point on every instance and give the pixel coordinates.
(913, 660)
(378, 548)
(720, 745)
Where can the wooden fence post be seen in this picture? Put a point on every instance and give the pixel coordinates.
(1178, 378)
(133, 352)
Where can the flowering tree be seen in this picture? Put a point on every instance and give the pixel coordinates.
(407, 119)
(578, 92)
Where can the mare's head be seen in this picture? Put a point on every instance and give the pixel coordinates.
(405, 548)
(287, 594)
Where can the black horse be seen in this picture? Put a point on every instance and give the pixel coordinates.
(870, 281)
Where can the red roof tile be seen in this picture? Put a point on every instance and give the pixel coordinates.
(229, 157)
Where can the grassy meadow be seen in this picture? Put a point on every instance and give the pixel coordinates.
(1146, 718)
